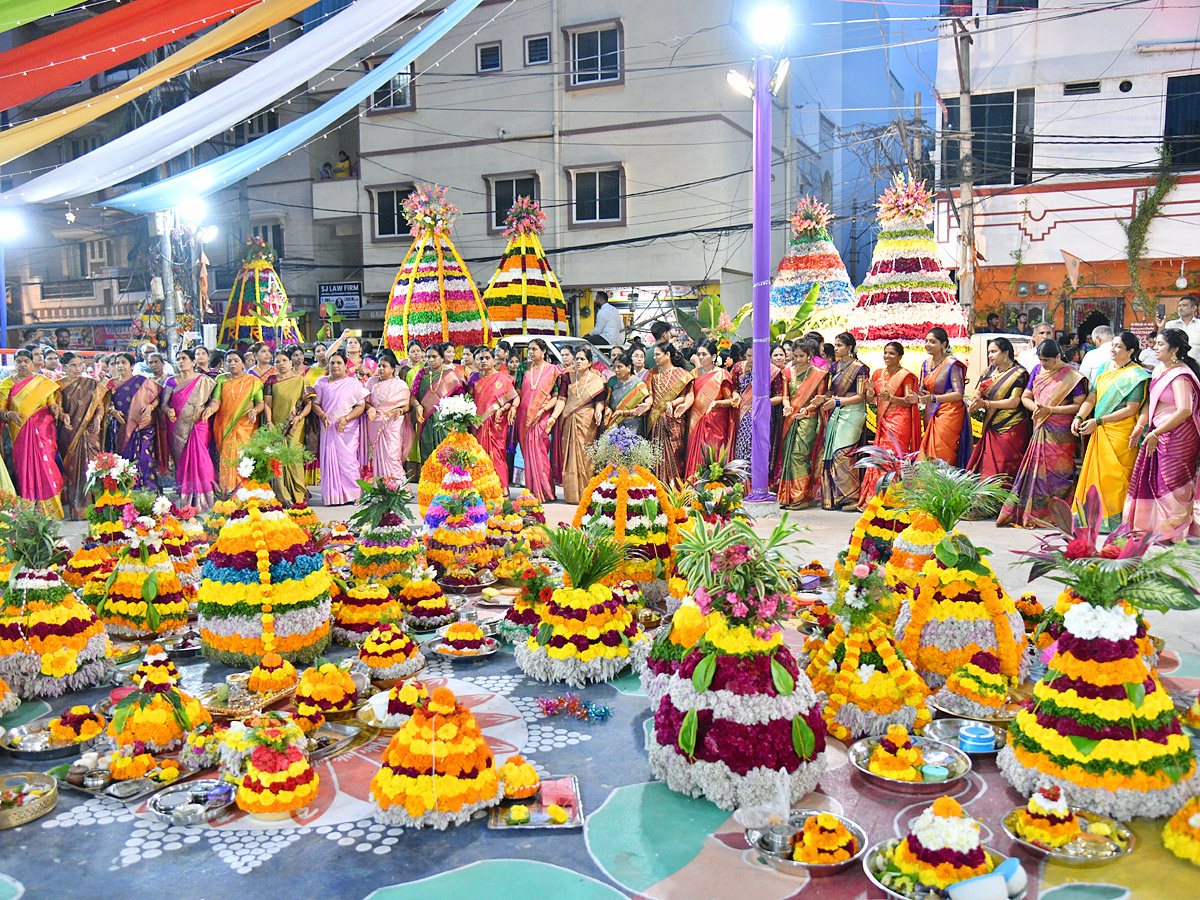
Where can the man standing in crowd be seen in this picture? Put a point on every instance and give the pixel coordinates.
(1093, 360)
(1187, 321)
(1027, 359)
(62, 338)
(609, 330)
(1022, 324)
(993, 323)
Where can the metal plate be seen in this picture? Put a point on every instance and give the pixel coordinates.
(490, 646)
(138, 787)
(879, 857)
(1085, 852)
(538, 817)
(337, 737)
(252, 704)
(1016, 698)
(168, 805)
(373, 711)
(935, 753)
(781, 862)
(175, 650)
(946, 731)
(32, 741)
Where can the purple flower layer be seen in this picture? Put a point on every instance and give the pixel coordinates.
(1089, 691)
(1070, 727)
(971, 859)
(743, 675)
(569, 612)
(249, 560)
(740, 747)
(12, 630)
(1097, 649)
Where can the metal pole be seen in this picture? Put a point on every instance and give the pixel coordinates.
(3, 301)
(168, 282)
(761, 296)
(966, 157)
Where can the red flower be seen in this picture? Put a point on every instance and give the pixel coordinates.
(1112, 551)
(1079, 548)
(277, 468)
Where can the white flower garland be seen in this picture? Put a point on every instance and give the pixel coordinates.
(1088, 622)
(744, 709)
(439, 821)
(538, 665)
(400, 670)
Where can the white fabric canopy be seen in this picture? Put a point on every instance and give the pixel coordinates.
(217, 109)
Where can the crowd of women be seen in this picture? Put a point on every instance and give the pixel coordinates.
(364, 414)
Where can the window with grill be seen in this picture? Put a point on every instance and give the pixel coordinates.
(487, 57)
(596, 55)
(1001, 138)
(537, 50)
(505, 190)
(1181, 130)
(597, 195)
(396, 94)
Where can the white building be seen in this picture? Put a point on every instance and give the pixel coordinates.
(1070, 104)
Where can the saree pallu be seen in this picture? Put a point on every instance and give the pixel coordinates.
(668, 433)
(340, 468)
(777, 381)
(390, 434)
(708, 428)
(411, 376)
(538, 389)
(579, 430)
(432, 390)
(564, 382)
(133, 399)
(34, 441)
(312, 433)
(162, 434)
(1006, 432)
(237, 396)
(492, 432)
(1108, 460)
(945, 423)
(189, 438)
(288, 397)
(897, 425)
(84, 402)
(840, 482)
(743, 432)
(1162, 488)
(623, 399)
(797, 484)
(1048, 466)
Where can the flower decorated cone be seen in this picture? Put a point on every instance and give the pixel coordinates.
(110, 479)
(522, 618)
(157, 715)
(419, 786)
(1102, 727)
(386, 549)
(628, 502)
(866, 682)
(458, 415)
(456, 520)
(524, 296)
(144, 596)
(265, 587)
(812, 265)
(50, 643)
(911, 549)
(738, 711)
(958, 606)
(584, 634)
(278, 780)
(687, 626)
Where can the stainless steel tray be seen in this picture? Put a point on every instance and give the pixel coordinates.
(37, 733)
(538, 817)
(935, 753)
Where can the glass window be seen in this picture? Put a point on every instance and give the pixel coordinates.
(537, 50)
(1181, 131)
(595, 55)
(389, 212)
(1001, 137)
(598, 195)
(505, 191)
(487, 58)
(396, 94)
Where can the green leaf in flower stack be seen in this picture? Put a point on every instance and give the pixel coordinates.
(150, 587)
(687, 732)
(1136, 694)
(782, 678)
(946, 553)
(803, 739)
(153, 616)
(544, 633)
(703, 675)
(1086, 746)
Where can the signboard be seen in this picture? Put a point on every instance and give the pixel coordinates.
(346, 296)
(1143, 330)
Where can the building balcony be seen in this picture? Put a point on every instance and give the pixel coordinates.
(336, 198)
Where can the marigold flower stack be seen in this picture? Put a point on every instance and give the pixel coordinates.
(386, 548)
(462, 449)
(524, 296)
(457, 522)
(278, 777)
(156, 716)
(144, 596)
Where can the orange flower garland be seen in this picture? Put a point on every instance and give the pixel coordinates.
(482, 473)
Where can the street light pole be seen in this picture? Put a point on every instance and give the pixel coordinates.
(761, 293)
(165, 224)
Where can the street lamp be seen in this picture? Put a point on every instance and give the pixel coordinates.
(12, 226)
(767, 25)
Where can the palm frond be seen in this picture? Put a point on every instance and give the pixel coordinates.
(586, 554)
(947, 493)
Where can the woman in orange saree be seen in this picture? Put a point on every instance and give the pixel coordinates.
(1006, 426)
(30, 404)
(581, 416)
(897, 419)
(496, 402)
(710, 420)
(670, 397)
(84, 404)
(801, 426)
(535, 418)
(236, 402)
(943, 385)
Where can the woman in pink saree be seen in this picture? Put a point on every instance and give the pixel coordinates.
(186, 396)
(341, 400)
(535, 417)
(389, 430)
(30, 404)
(1162, 488)
(496, 402)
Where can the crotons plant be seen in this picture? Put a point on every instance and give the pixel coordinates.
(947, 494)
(1136, 569)
(892, 465)
(379, 498)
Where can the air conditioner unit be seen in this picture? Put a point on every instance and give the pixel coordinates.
(1022, 289)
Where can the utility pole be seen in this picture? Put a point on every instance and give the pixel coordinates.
(166, 221)
(918, 127)
(966, 198)
(854, 239)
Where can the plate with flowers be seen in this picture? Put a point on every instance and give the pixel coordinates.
(1018, 697)
(1100, 841)
(920, 773)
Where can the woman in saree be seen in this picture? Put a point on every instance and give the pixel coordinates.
(1006, 427)
(389, 429)
(340, 403)
(30, 402)
(535, 417)
(802, 426)
(743, 387)
(780, 363)
(893, 390)
(1162, 489)
(845, 406)
(353, 354)
(410, 370)
(287, 398)
(670, 399)
(185, 397)
(628, 397)
(1108, 416)
(1047, 470)
(566, 376)
(437, 382)
(236, 402)
(943, 386)
(637, 359)
(710, 422)
(84, 404)
(134, 399)
(496, 402)
(261, 368)
(203, 361)
(581, 415)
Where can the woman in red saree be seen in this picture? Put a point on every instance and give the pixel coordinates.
(535, 418)
(780, 363)
(670, 399)
(897, 420)
(710, 420)
(84, 404)
(1006, 427)
(802, 426)
(943, 385)
(496, 402)
(30, 404)
(581, 416)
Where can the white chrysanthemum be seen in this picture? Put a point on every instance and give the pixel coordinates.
(944, 833)
(1083, 620)
(161, 507)
(245, 467)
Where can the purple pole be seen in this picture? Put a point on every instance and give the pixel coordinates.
(761, 297)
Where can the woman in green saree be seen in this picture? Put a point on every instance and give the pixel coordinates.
(846, 408)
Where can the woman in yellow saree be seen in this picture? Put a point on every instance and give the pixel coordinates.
(30, 405)
(671, 397)
(1108, 416)
(581, 417)
(288, 398)
(236, 401)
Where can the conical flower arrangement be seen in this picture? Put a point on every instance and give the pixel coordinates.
(278, 777)
(420, 787)
(434, 298)
(524, 296)
(143, 596)
(456, 521)
(812, 260)
(387, 548)
(907, 290)
(258, 308)
(110, 479)
(458, 414)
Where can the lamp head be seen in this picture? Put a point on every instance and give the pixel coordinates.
(12, 226)
(768, 23)
(191, 212)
